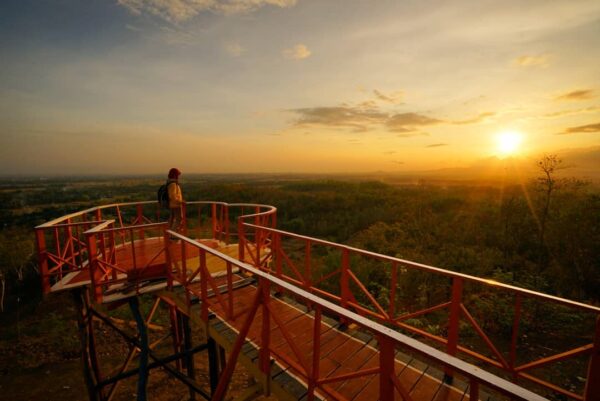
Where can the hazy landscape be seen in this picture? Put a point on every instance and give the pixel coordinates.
(489, 229)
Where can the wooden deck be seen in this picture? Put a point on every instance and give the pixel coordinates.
(342, 351)
(149, 254)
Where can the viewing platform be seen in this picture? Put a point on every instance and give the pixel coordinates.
(307, 318)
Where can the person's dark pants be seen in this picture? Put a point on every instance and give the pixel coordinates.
(175, 218)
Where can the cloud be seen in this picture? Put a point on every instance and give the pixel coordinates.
(409, 134)
(361, 119)
(133, 28)
(539, 60)
(480, 118)
(581, 94)
(582, 129)
(562, 113)
(393, 98)
(176, 11)
(408, 122)
(436, 145)
(234, 49)
(368, 104)
(339, 117)
(298, 52)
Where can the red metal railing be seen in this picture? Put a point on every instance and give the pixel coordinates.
(62, 245)
(308, 367)
(103, 237)
(296, 265)
(129, 263)
(106, 240)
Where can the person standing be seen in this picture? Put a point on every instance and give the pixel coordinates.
(175, 200)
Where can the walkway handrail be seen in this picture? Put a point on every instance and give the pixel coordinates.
(303, 275)
(384, 334)
(437, 270)
(61, 219)
(62, 242)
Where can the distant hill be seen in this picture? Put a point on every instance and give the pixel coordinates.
(579, 163)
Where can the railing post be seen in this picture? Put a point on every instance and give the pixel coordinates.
(56, 238)
(592, 384)
(93, 267)
(71, 243)
(345, 280)
(387, 355)
(307, 265)
(258, 243)
(515, 334)
(112, 245)
(276, 251)
(265, 352)
(394, 284)
(316, 355)
(453, 321)
(214, 220)
(473, 389)
(454, 318)
(42, 258)
(203, 286)
(229, 290)
(241, 240)
(227, 234)
(168, 263)
(140, 219)
(184, 218)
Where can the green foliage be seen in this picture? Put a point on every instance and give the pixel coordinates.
(483, 231)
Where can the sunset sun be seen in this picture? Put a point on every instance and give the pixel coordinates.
(508, 143)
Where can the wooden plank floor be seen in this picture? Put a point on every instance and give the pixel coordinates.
(341, 352)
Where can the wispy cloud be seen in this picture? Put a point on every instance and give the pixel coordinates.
(133, 28)
(177, 11)
(360, 119)
(366, 116)
(339, 117)
(539, 60)
(580, 94)
(582, 129)
(572, 112)
(480, 118)
(436, 145)
(298, 52)
(394, 98)
(409, 122)
(234, 49)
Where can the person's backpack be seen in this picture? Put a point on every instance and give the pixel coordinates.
(163, 195)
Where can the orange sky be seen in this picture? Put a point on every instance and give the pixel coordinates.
(137, 86)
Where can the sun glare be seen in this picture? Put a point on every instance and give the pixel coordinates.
(508, 142)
